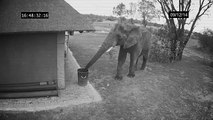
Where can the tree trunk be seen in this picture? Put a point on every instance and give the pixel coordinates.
(181, 46)
(177, 47)
(173, 50)
(180, 52)
(178, 39)
(173, 39)
(144, 22)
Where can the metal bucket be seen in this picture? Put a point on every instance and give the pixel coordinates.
(82, 76)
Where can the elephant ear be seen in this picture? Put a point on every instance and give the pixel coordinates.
(130, 41)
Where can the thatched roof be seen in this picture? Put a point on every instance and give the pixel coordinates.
(61, 16)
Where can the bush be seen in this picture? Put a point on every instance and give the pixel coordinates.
(111, 18)
(160, 50)
(207, 60)
(206, 40)
(137, 21)
(100, 20)
(195, 35)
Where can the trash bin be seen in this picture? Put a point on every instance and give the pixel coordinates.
(82, 76)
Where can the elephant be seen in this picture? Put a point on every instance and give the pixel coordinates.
(132, 39)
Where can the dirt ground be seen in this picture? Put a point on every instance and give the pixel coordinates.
(177, 91)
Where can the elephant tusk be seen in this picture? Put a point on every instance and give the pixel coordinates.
(109, 49)
(83, 77)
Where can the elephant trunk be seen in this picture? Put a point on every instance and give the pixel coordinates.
(104, 47)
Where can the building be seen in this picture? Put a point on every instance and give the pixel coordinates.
(32, 49)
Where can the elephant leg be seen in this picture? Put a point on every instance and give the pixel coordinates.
(136, 64)
(133, 57)
(145, 58)
(121, 59)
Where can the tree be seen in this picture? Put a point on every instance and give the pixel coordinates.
(147, 10)
(176, 26)
(119, 10)
(132, 9)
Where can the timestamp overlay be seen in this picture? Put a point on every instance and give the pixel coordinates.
(179, 14)
(34, 15)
